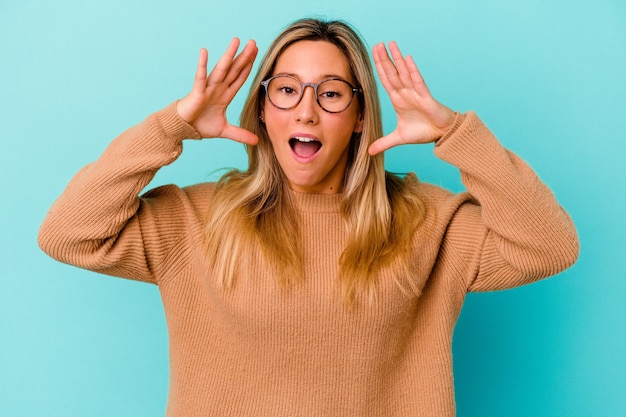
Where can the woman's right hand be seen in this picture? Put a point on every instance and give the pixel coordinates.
(205, 106)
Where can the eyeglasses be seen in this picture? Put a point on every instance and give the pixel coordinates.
(333, 95)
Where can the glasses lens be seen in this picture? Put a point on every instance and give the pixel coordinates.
(334, 95)
(284, 92)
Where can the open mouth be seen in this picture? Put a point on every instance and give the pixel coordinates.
(304, 147)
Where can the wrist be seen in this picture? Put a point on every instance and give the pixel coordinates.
(183, 110)
(457, 120)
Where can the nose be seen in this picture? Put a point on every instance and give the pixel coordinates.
(307, 109)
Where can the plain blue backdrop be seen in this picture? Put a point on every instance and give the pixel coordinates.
(547, 76)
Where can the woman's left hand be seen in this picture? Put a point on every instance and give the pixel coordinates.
(421, 118)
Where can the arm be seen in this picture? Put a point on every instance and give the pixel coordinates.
(514, 232)
(100, 222)
(95, 223)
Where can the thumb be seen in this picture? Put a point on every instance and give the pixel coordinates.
(239, 134)
(384, 143)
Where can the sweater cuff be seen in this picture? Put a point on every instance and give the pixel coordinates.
(174, 126)
(471, 140)
(459, 118)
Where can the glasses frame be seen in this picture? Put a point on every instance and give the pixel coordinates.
(314, 86)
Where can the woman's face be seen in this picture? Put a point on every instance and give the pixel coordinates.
(312, 145)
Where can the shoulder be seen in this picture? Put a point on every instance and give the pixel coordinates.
(434, 196)
(429, 199)
(442, 205)
(194, 198)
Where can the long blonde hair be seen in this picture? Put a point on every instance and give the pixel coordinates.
(254, 207)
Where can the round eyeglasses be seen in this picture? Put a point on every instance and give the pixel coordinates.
(333, 95)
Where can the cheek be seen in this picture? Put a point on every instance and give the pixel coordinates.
(274, 132)
(274, 119)
(347, 125)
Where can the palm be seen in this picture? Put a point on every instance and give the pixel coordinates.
(421, 119)
(205, 106)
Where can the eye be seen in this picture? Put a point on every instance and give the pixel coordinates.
(330, 94)
(333, 90)
(286, 90)
(285, 86)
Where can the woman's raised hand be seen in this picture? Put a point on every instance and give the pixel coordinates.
(421, 119)
(205, 106)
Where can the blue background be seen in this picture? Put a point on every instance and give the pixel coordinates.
(546, 76)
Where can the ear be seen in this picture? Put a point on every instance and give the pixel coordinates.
(262, 115)
(358, 126)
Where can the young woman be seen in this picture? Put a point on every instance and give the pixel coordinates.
(313, 283)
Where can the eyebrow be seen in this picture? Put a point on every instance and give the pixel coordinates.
(323, 77)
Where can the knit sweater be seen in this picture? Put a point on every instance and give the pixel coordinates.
(261, 349)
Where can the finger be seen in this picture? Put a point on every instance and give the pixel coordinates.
(386, 69)
(241, 65)
(240, 135)
(378, 63)
(416, 77)
(200, 79)
(400, 64)
(221, 68)
(384, 143)
(242, 76)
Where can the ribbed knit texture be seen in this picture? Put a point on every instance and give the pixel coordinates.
(258, 349)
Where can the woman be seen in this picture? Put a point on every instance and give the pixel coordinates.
(313, 283)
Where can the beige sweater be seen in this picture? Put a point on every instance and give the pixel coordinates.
(262, 350)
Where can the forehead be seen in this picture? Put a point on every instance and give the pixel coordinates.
(313, 60)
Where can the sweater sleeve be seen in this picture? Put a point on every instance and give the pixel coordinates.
(512, 231)
(100, 222)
